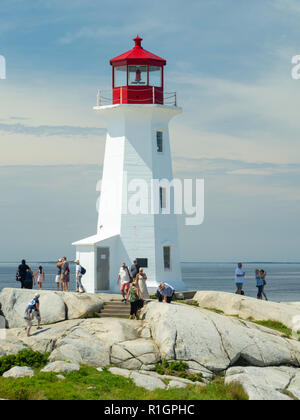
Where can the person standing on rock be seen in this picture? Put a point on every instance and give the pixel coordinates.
(133, 296)
(22, 270)
(33, 311)
(79, 274)
(124, 280)
(259, 284)
(58, 279)
(239, 278)
(263, 275)
(65, 274)
(29, 279)
(40, 276)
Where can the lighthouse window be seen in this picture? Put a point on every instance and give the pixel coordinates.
(167, 257)
(155, 78)
(163, 198)
(159, 139)
(120, 76)
(137, 75)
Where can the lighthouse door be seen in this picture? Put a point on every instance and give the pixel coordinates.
(102, 268)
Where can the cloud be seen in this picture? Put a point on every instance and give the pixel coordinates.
(51, 130)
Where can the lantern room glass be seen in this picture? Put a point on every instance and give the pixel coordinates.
(155, 76)
(120, 76)
(137, 76)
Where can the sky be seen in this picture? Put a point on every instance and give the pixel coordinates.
(230, 63)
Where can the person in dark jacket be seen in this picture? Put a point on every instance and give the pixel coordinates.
(134, 270)
(22, 271)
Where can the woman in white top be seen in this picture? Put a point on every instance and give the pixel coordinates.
(141, 280)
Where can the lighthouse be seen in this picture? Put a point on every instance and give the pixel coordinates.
(136, 218)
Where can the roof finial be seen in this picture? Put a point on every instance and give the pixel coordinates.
(138, 41)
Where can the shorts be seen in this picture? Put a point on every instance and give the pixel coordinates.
(29, 319)
(124, 287)
(58, 279)
(240, 286)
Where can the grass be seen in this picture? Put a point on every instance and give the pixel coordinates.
(89, 384)
(274, 325)
(179, 369)
(217, 311)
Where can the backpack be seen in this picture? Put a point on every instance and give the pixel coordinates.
(83, 271)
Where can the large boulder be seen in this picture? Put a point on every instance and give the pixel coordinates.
(55, 306)
(212, 342)
(14, 302)
(82, 305)
(19, 372)
(265, 384)
(246, 307)
(61, 366)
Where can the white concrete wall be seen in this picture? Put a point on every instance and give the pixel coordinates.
(86, 256)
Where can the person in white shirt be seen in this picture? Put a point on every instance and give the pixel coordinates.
(125, 279)
(239, 278)
(79, 277)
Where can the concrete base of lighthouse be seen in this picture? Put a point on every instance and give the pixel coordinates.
(132, 158)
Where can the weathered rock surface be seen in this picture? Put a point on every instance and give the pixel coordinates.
(61, 366)
(246, 307)
(209, 342)
(14, 302)
(19, 372)
(55, 306)
(271, 383)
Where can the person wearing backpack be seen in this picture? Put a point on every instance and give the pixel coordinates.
(80, 271)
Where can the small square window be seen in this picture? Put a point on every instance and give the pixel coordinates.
(142, 262)
(159, 141)
(167, 257)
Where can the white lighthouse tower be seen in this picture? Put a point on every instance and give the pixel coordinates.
(134, 218)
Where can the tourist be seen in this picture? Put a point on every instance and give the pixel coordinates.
(22, 270)
(124, 280)
(141, 284)
(263, 275)
(40, 275)
(133, 296)
(58, 279)
(79, 274)
(33, 311)
(29, 279)
(165, 293)
(239, 278)
(65, 274)
(134, 270)
(259, 284)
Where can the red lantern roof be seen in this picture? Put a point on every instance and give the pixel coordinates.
(138, 53)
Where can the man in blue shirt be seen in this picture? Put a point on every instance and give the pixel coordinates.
(33, 311)
(165, 293)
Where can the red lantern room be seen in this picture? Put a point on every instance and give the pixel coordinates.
(138, 77)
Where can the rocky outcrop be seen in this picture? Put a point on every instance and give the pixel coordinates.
(272, 383)
(209, 342)
(246, 307)
(265, 363)
(55, 306)
(19, 372)
(60, 366)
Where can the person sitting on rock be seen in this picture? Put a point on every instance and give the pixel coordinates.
(165, 293)
(33, 311)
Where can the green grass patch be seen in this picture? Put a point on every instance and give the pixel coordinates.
(216, 311)
(26, 357)
(89, 384)
(177, 369)
(274, 325)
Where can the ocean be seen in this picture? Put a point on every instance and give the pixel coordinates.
(283, 279)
